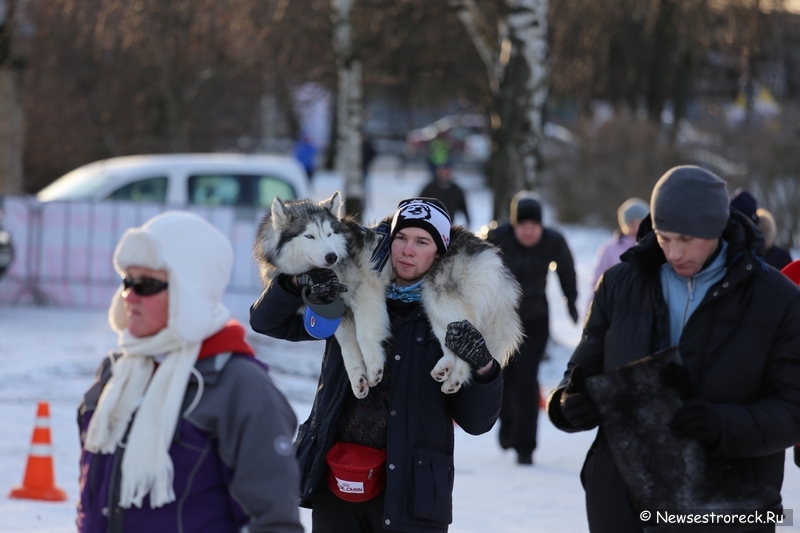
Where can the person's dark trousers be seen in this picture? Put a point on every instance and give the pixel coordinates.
(519, 413)
(331, 514)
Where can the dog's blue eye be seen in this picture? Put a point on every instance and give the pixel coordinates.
(329, 234)
(309, 236)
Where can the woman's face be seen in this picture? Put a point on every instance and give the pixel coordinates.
(147, 315)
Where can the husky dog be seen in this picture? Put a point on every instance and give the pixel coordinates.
(469, 282)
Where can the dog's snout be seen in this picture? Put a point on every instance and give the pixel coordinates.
(331, 258)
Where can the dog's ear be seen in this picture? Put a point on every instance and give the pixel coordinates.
(280, 215)
(334, 205)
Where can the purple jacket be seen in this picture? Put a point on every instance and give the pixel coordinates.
(232, 455)
(609, 253)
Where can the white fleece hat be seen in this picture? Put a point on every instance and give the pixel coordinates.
(198, 259)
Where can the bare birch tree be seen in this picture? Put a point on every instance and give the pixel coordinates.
(515, 55)
(349, 106)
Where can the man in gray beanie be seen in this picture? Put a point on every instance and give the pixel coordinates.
(693, 281)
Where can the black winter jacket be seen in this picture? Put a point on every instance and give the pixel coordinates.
(741, 347)
(530, 266)
(420, 470)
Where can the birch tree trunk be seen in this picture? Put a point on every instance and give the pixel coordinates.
(518, 77)
(349, 105)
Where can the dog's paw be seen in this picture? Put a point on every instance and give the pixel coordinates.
(451, 387)
(360, 386)
(441, 371)
(375, 376)
(443, 367)
(458, 376)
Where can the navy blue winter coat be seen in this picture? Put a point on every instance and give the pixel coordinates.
(741, 347)
(420, 471)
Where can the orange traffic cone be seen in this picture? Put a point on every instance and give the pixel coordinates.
(39, 482)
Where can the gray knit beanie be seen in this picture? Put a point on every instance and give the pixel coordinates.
(691, 201)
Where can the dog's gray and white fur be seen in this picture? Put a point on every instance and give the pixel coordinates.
(469, 282)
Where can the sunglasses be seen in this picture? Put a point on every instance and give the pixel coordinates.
(144, 286)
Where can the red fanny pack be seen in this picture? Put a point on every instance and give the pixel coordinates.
(356, 473)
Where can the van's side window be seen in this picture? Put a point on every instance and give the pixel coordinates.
(269, 187)
(216, 190)
(146, 190)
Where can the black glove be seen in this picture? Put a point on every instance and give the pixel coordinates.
(697, 419)
(573, 312)
(467, 342)
(576, 405)
(323, 282)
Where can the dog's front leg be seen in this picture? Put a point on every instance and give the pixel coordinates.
(450, 369)
(351, 355)
(372, 325)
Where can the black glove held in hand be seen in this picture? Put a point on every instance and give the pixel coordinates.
(323, 282)
(576, 405)
(573, 312)
(699, 420)
(467, 342)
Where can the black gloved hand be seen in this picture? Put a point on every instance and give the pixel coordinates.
(573, 312)
(467, 342)
(576, 405)
(697, 419)
(324, 284)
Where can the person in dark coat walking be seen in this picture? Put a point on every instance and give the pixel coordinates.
(745, 203)
(695, 281)
(183, 429)
(405, 416)
(444, 189)
(530, 250)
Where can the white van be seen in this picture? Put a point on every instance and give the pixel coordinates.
(184, 179)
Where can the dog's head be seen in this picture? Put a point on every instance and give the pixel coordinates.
(297, 236)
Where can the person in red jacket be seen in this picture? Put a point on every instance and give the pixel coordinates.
(792, 271)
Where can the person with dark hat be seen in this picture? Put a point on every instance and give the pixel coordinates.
(529, 250)
(693, 282)
(385, 462)
(746, 203)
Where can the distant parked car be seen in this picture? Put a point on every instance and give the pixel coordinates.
(6, 249)
(184, 179)
(467, 135)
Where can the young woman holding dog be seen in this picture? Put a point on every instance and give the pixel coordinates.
(183, 430)
(385, 462)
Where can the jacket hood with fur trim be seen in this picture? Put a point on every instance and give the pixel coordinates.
(198, 259)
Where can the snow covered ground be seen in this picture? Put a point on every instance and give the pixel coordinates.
(51, 354)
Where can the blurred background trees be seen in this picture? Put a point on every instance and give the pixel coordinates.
(630, 86)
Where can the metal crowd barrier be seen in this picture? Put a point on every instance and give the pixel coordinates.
(64, 250)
